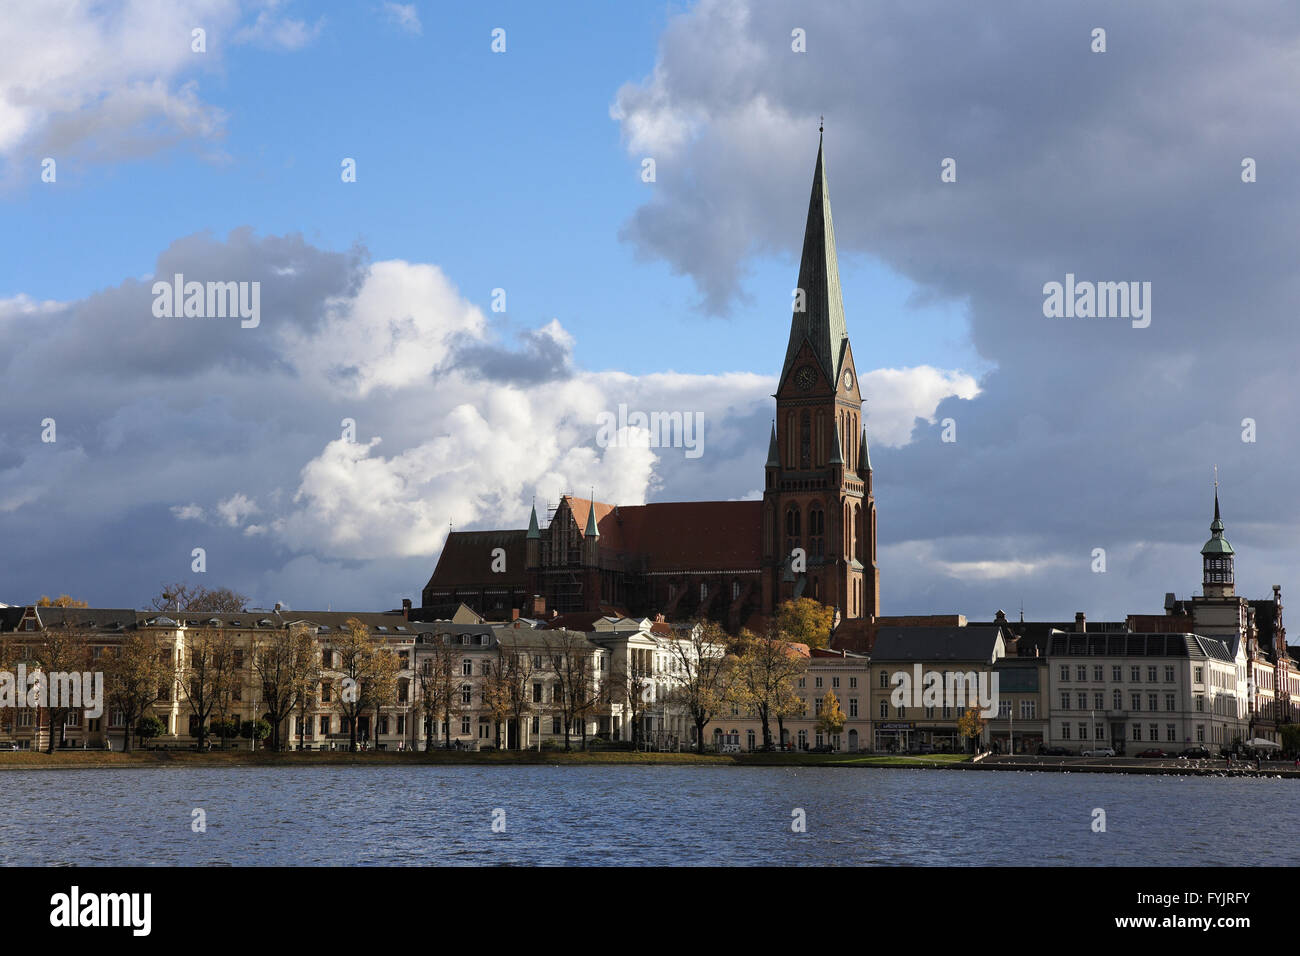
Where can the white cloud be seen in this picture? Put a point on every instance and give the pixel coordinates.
(405, 16)
(236, 508)
(190, 512)
(896, 397)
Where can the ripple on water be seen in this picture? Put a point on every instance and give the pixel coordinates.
(389, 816)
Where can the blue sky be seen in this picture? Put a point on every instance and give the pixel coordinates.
(505, 169)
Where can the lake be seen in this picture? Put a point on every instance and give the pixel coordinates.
(656, 815)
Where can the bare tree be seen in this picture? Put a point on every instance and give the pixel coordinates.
(569, 657)
(137, 673)
(439, 685)
(286, 662)
(699, 677)
(515, 665)
(59, 650)
(196, 597)
(637, 688)
(206, 673)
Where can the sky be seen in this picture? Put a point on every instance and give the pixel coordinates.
(500, 272)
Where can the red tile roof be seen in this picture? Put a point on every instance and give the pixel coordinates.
(684, 535)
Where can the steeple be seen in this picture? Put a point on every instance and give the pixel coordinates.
(1217, 557)
(773, 452)
(822, 321)
(533, 531)
(864, 456)
(591, 531)
(836, 457)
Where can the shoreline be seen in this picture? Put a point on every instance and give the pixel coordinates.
(145, 759)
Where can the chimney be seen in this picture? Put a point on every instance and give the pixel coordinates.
(1080, 622)
(406, 609)
(514, 614)
(539, 606)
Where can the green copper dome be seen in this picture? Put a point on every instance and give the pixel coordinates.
(1217, 544)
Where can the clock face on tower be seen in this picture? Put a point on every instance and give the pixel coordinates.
(848, 378)
(805, 378)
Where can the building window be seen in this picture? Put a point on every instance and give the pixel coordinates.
(1169, 702)
(1083, 731)
(1100, 732)
(853, 707)
(1028, 709)
(1137, 732)
(884, 709)
(1083, 701)
(1169, 674)
(1098, 673)
(1137, 701)
(1099, 701)
(1065, 731)
(1118, 700)
(466, 694)
(1081, 673)
(325, 725)
(1200, 733)
(1198, 675)
(1116, 672)
(464, 725)
(1065, 701)
(1153, 701)
(466, 668)
(1151, 673)
(1155, 732)
(853, 683)
(1135, 674)
(1065, 672)
(1171, 733)
(817, 682)
(884, 678)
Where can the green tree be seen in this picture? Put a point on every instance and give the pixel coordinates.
(148, 728)
(805, 621)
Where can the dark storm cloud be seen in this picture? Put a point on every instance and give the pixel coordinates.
(543, 357)
(1115, 166)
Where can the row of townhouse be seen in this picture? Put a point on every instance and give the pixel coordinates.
(614, 654)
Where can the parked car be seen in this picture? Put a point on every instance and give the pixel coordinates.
(1046, 751)
(1153, 752)
(1099, 752)
(1197, 752)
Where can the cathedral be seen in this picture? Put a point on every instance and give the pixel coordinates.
(813, 534)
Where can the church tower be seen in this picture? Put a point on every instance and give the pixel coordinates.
(1217, 558)
(819, 513)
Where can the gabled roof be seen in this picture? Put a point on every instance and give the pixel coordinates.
(687, 535)
(466, 559)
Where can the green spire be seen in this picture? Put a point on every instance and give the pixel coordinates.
(822, 321)
(533, 531)
(773, 453)
(836, 457)
(1217, 544)
(864, 456)
(591, 531)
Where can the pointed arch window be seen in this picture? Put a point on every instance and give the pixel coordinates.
(816, 531)
(793, 530)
